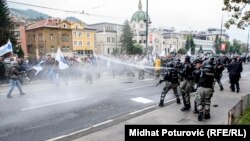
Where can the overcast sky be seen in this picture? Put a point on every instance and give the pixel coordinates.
(180, 14)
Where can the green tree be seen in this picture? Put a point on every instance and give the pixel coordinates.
(200, 50)
(127, 39)
(6, 26)
(190, 44)
(182, 51)
(231, 49)
(137, 49)
(240, 14)
(217, 44)
(237, 46)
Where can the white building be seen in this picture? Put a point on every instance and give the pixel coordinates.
(108, 37)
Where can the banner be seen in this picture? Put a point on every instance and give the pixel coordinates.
(223, 47)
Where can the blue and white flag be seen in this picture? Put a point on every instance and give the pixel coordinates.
(38, 67)
(6, 48)
(60, 58)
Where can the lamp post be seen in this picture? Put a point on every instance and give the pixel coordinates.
(147, 28)
(248, 41)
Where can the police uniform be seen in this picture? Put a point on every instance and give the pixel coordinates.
(205, 92)
(171, 78)
(186, 83)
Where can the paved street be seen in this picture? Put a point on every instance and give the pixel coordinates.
(47, 111)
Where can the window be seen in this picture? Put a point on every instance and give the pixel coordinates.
(88, 43)
(40, 37)
(67, 48)
(53, 49)
(88, 35)
(74, 34)
(76, 27)
(80, 43)
(51, 37)
(108, 39)
(139, 41)
(79, 34)
(29, 39)
(108, 50)
(75, 43)
(65, 38)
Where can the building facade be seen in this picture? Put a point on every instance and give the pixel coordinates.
(107, 38)
(44, 37)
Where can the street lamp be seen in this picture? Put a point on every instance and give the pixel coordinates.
(147, 28)
(248, 40)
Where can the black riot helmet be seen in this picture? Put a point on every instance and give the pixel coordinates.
(170, 65)
(187, 59)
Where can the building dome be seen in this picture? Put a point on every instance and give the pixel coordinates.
(139, 15)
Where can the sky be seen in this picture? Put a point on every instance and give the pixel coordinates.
(180, 14)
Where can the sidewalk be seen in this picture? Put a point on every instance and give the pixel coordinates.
(171, 114)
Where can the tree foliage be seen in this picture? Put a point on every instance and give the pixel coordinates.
(217, 44)
(182, 51)
(137, 49)
(6, 26)
(240, 13)
(200, 50)
(190, 44)
(127, 38)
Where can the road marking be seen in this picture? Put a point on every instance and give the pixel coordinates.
(141, 110)
(50, 104)
(142, 100)
(63, 136)
(99, 124)
(147, 79)
(128, 89)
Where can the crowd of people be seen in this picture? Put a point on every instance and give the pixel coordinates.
(199, 75)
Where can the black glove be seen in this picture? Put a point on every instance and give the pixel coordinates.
(161, 81)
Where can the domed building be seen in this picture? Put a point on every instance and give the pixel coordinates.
(138, 25)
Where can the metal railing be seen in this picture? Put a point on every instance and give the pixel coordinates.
(237, 112)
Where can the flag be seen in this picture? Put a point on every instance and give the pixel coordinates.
(38, 67)
(6, 48)
(189, 52)
(163, 53)
(60, 58)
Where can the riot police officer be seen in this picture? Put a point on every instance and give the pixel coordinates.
(196, 74)
(171, 78)
(186, 83)
(219, 67)
(205, 91)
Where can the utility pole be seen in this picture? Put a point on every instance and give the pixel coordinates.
(248, 40)
(221, 28)
(147, 28)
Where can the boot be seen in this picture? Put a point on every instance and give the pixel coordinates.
(186, 107)
(161, 104)
(9, 96)
(195, 108)
(207, 116)
(200, 116)
(221, 88)
(178, 101)
(22, 93)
